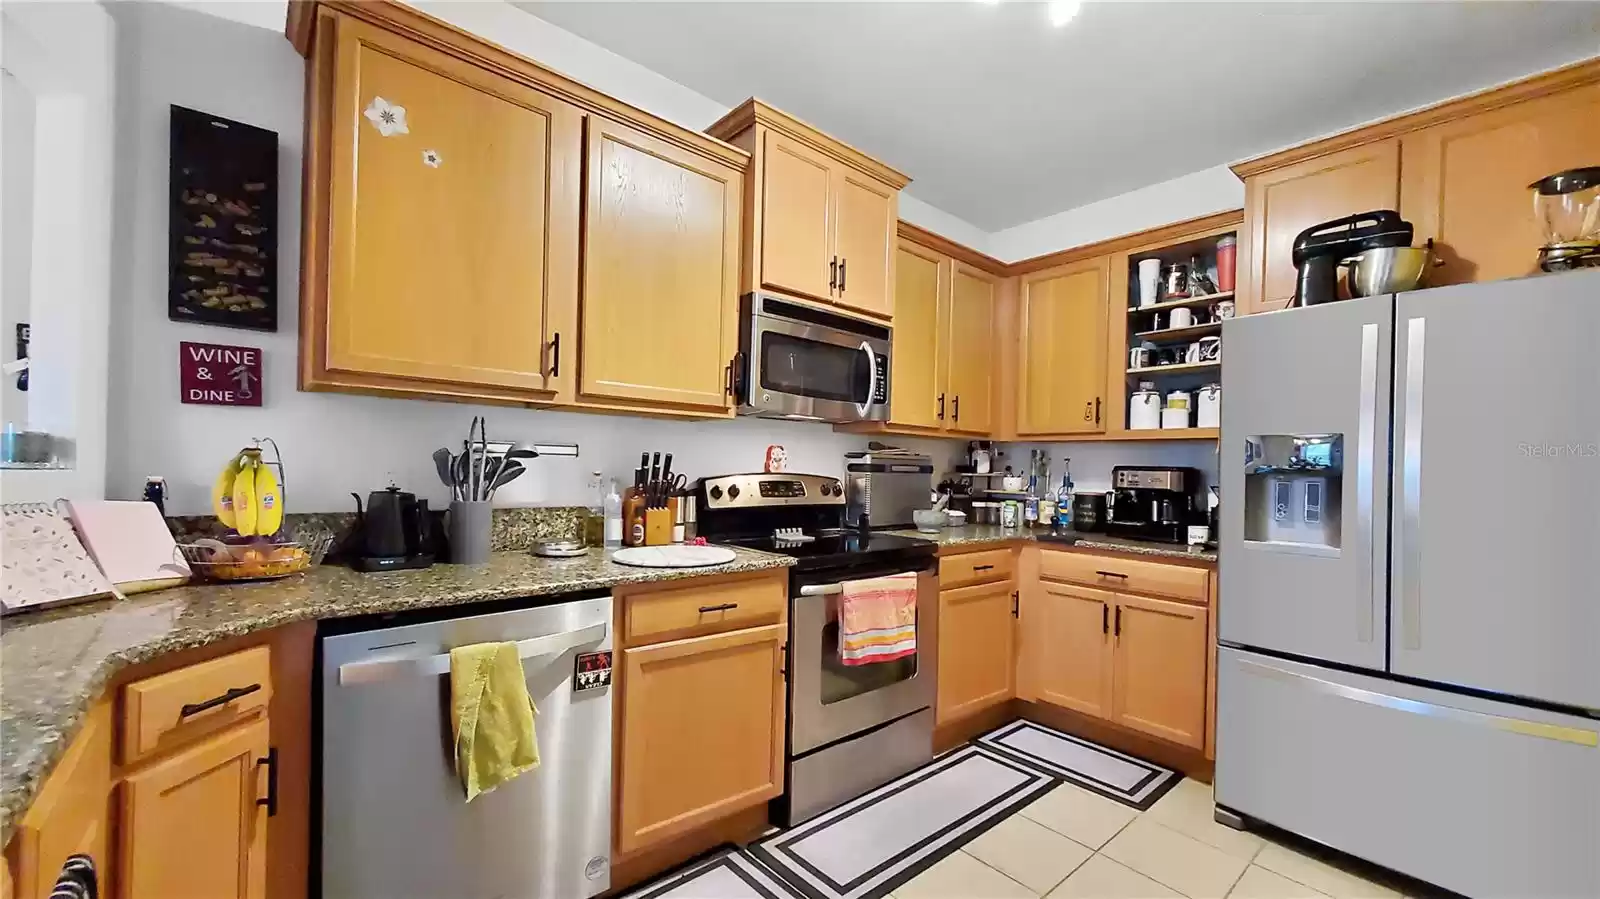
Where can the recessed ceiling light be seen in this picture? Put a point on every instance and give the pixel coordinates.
(1061, 11)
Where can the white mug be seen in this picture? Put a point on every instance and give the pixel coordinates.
(1180, 318)
(1192, 354)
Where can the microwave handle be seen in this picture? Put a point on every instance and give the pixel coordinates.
(872, 379)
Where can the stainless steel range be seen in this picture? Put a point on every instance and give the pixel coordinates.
(851, 728)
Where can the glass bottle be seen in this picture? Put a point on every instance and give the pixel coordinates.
(594, 516)
(612, 506)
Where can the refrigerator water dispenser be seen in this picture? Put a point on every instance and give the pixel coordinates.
(1294, 489)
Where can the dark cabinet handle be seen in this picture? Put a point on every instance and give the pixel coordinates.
(195, 708)
(783, 661)
(1111, 574)
(1016, 601)
(555, 355)
(723, 607)
(955, 413)
(271, 761)
(1117, 631)
(1096, 410)
(833, 275)
(1105, 619)
(977, 568)
(842, 264)
(941, 407)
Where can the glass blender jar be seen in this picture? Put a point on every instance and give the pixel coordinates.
(1567, 205)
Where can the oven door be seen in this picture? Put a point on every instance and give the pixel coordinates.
(808, 363)
(830, 700)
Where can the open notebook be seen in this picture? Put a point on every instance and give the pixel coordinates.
(44, 562)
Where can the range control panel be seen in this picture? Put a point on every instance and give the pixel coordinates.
(748, 491)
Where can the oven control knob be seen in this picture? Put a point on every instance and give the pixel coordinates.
(837, 490)
(733, 491)
(716, 493)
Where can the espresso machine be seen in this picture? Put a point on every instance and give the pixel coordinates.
(1155, 502)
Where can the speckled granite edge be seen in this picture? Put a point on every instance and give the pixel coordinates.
(975, 535)
(513, 529)
(55, 664)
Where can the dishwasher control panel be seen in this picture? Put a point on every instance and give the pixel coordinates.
(591, 671)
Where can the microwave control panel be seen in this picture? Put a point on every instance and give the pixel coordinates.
(880, 384)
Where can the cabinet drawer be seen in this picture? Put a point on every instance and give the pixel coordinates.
(708, 608)
(170, 709)
(976, 568)
(1127, 575)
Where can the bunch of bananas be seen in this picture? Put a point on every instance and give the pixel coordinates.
(247, 497)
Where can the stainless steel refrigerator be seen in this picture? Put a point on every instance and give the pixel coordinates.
(1409, 662)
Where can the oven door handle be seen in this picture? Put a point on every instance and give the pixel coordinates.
(379, 670)
(822, 590)
(872, 379)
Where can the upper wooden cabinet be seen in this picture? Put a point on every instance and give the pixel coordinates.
(922, 283)
(660, 272)
(452, 239)
(1458, 171)
(480, 228)
(1279, 204)
(1464, 183)
(820, 215)
(1062, 366)
(968, 333)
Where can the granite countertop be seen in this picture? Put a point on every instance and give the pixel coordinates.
(990, 533)
(54, 664)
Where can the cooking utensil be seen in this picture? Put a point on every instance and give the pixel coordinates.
(443, 463)
(1387, 270)
(507, 473)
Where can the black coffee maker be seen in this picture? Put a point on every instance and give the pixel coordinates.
(1319, 249)
(394, 532)
(1154, 503)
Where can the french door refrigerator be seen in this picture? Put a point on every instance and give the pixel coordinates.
(1409, 661)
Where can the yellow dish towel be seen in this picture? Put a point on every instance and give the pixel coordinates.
(492, 716)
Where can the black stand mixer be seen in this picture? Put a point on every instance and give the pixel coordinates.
(1319, 249)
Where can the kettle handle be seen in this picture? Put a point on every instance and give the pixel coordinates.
(359, 514)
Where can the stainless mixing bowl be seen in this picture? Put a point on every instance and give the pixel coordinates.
(1387, 270)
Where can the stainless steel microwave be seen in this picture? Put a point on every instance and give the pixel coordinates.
(800, 362)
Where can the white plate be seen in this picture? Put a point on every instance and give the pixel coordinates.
(673, 556)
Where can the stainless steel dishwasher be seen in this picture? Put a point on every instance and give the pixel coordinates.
(394, 819)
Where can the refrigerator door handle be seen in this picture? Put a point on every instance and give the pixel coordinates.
(1366, 463)
(1410, 556)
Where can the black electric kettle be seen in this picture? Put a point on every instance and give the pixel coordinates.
(392, 532)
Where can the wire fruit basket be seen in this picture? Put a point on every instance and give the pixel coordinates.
(256, 559)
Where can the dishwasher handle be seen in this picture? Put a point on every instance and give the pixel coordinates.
(434, 665)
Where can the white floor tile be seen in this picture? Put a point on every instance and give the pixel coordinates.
(1183, 863)
(960, 876)
(1102, 878)
(1187, 808)
(1259, 883)
(1319, 875)
(1088, 818)
(1029, 853)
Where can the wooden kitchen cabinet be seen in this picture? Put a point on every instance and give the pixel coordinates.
(1464, 183)
(1065, 652)
(977, 649)
(660, 272)
(70, 815)
(452, 232)
(968, 334)
(1062, 363)
(701, 731)
(194, 824)
(821, 216)
(1281, 203)
(1159, 668)
(917, 394)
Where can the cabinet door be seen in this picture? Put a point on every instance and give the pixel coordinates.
(797, 227)
(1062, 373)
(1465, 183)
(191, 826)
(916, 388)
(969, 347)
(69, 815)
(660, 271)
(865, 241)
(454, 217)
(702, 731)
(1159, 668)
(977, 653)
(1281, 203)
(1066, 647)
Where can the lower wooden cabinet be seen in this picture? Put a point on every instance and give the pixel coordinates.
(1159, 669)
(701, 732)
(977, 649)
(70, 815)
(1065, 656)
(191, 823)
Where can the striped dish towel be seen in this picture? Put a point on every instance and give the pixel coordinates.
(878, 619)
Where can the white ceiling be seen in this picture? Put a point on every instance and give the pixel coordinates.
(1001, 119)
